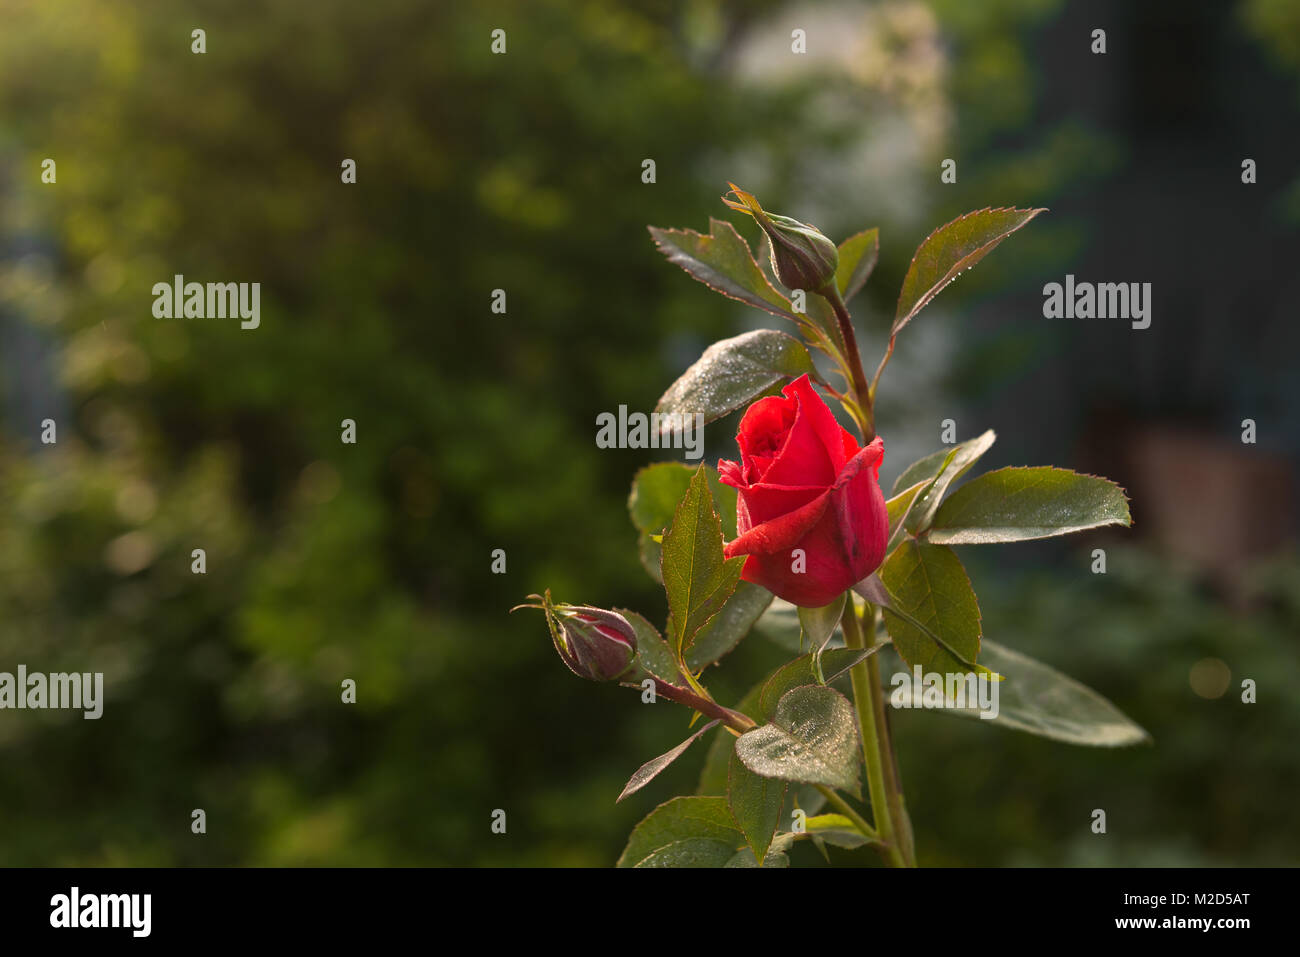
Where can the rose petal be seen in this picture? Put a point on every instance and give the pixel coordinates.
(812, 448)
(765, 502)
(763, 429)
(842, 533)
(729, 473)
(779, 534)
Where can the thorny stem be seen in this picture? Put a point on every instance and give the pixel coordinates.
(861, 391)
(710, 709)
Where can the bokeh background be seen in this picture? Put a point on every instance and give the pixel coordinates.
(476, 431)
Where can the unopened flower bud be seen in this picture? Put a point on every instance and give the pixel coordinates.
(802, 255)
(596, 644)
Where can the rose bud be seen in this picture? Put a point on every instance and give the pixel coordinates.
(802, 255)
(594, 643)
(803, 482)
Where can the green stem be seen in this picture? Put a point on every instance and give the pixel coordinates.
(845, 808)
(865, 676)
(889, 762)
(883, 779)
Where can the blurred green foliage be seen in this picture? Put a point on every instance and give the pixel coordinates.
(475, 431)
(1213, 789)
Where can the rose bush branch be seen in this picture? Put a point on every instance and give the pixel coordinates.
(781, 538)
(864, 395)
(878, 750)
(710, 709)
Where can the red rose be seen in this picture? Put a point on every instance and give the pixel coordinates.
(805, 483)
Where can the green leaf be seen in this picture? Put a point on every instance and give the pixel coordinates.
(714, 776)
(755, 803)
(652, 652)
(648, 771)
(648, 552)
(921, 471)
(928, 583)
(656, 491)
(745, 858)
(733, 372)
(793, 674)
(722, 261)
(1036, 698)
(822, 329)
(800, 672)
(682, 819)
(836, 829)
(956, 463)
(898, 506)
(949, 251)
(813, 738)
(804, 796)
(858, 256)
(692, 852)
(697, 579)
(1016, 504)
(819, 626)
(725, 630)
(780, 624)
(837, 661)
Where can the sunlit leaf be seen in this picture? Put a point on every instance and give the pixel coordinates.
(648, 771)
(812, 738)
(858, 256)
(1036, 698)
(955, 463)
(682, 819)
(697, 578)
(1016, 504)
(656, 491)
(724, 631)
(928, 584)
(949, 251)
(722, 261)
(732, 373)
